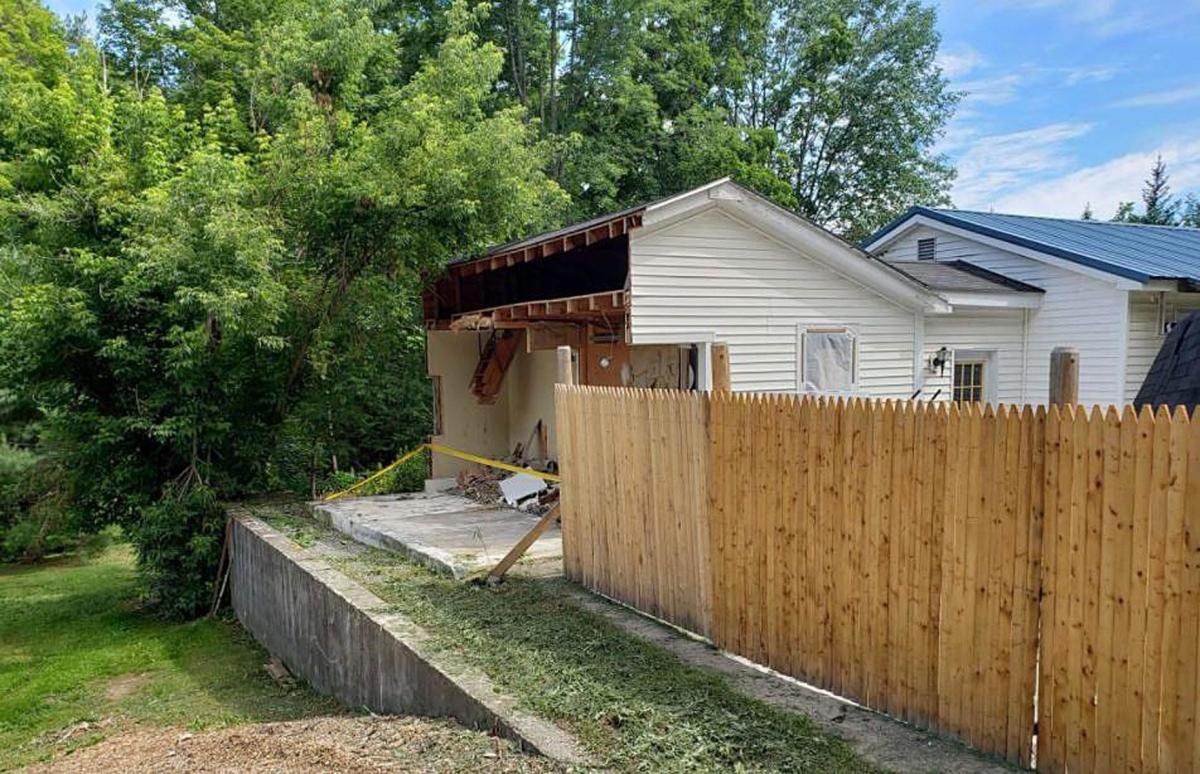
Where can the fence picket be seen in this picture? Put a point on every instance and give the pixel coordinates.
(941, 563)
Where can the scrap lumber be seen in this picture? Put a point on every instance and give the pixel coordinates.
(493, 364)
(223, 568)
(522, 546)
(566, 370)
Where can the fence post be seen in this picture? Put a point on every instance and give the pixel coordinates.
(1064, 376)
(566, 373)
(720, 368)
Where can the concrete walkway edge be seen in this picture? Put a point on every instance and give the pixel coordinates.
(349, 643)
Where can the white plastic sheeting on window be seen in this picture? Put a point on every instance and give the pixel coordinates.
(828, 361)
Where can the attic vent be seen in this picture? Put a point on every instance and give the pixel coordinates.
(926, 248)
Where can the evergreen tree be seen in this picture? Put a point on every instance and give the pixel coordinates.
(1087, 212)
(1190, 216)
(1160, 207)
(1125, 214)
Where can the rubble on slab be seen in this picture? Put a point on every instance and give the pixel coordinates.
(482, 485)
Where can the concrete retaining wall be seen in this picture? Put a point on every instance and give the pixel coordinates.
(340, 638)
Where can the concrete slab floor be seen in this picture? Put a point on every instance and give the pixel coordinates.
(446, 532)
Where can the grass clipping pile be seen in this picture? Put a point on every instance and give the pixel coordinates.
(342, 744)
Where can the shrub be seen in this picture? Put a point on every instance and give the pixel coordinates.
(409, 477)
(178, 542)
(33, 523)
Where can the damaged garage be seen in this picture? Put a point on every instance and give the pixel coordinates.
(494, 324)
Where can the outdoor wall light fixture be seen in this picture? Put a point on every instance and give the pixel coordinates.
(938, 361)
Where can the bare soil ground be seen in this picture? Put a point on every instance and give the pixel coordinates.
(329, 744)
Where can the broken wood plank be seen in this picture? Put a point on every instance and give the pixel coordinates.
(517, 551)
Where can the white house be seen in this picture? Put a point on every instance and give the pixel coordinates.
(641, 295)
(1110, 290)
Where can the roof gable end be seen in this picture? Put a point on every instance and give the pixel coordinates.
(799, 234)
(1131, 252)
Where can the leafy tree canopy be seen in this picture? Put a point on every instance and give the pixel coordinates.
(830, 107)
(211, 298)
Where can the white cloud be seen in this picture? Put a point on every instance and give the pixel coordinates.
(959, 61)
(1158, 98)
(1104, 185)
(1098, 18)
(957, 135)
(995, 165)
(996, 90)
(1073, 76)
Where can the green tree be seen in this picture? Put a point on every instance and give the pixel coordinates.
(1190, 216)
(1125, 213)
(1160, 207)
(1087, 212)
(852, 91)
(828, 106)
(31, 43)
(216, 290)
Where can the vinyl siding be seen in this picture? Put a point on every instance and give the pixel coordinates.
(1077, 311)
(714, 278)
(999, 331)
(1145, 331)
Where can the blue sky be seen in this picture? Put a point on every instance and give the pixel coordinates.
(1068, 101)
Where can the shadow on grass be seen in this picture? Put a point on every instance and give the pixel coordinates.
(631, 702)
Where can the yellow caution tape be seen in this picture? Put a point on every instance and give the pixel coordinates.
(434, 447)
(403, 459)
(462, 455)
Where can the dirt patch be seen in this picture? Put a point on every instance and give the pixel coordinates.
(123, 686)
(358, 744)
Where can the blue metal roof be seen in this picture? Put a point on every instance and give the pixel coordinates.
(1133, 251)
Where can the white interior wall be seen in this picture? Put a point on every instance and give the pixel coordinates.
(529, 387)
(466, 424)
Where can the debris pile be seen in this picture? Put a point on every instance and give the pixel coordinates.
(479, 483)
(520, 490)
(497, 487)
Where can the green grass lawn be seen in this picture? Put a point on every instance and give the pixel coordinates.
(74, 648)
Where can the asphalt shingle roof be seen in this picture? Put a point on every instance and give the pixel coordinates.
(960, 276)
(1174, 379)
(1133, 251)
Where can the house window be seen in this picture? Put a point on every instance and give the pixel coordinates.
(926, 249)
(828, 360)
(969, 381)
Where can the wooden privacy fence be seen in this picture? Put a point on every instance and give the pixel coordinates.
(971, 571)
